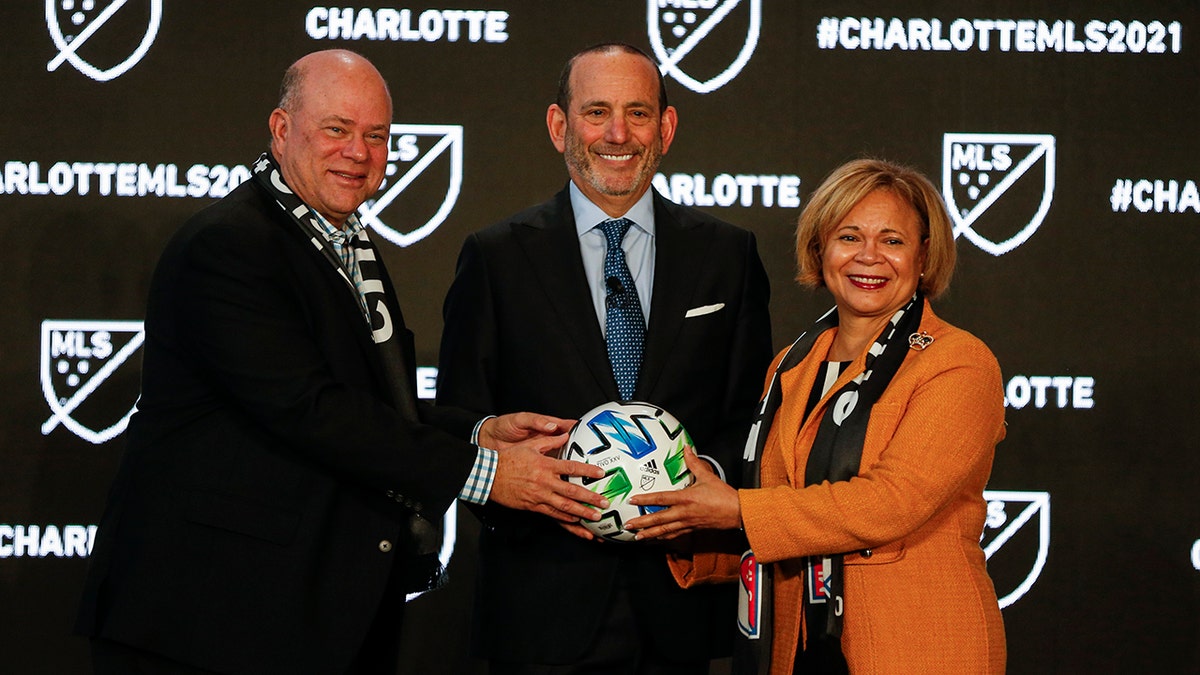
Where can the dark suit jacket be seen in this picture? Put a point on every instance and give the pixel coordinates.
(249, 529)
(521, 333)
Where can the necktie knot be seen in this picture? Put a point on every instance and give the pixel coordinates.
(614, 230)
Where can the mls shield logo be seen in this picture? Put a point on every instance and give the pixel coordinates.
(78, 359)
(117, 32)
(1016, 541)
(701, 35)
(415, 150)
(979, 169)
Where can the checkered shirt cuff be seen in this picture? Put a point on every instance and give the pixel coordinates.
(483, 474)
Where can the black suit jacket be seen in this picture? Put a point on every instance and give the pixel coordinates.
(250, 527)
(521, 333)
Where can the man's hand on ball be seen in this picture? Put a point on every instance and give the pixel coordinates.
(498, 433)
(527, 478)
(708, 504)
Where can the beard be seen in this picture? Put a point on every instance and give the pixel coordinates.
(581, 162)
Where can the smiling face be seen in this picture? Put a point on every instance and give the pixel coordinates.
(613, 135)
(872, 260)
(332, 144)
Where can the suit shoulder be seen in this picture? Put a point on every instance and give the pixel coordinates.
(689, 215)
(959, 346)
(244, 212)
(245, 220)
(538, 216)
(245, 202)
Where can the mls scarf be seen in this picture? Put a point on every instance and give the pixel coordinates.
(835, 456)
(423, 569)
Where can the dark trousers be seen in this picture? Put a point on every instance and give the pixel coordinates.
(379, 654)
(114, 658)
(620, 649)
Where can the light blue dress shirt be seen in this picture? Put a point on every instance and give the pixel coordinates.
(638, 245)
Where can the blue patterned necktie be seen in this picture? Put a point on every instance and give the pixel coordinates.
(624, 325)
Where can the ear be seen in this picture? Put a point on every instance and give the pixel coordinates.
(280, 124)
(556, 124)
(666, 127)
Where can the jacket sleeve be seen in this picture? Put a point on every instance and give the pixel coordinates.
(709, 558)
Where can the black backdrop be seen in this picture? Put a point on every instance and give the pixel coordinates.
(1063, 134)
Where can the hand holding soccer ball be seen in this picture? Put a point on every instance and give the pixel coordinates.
(709, 504)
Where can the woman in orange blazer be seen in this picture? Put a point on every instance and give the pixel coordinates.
(865, 473)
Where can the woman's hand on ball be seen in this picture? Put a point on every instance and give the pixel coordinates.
(709, 504)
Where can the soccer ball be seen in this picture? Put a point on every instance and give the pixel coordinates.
(640, 447)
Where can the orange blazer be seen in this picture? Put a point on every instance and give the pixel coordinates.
(918, 596)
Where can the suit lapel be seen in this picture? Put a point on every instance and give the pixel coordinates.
(551, 246)
(679, 251)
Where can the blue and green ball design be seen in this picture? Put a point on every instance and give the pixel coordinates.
(640, 447)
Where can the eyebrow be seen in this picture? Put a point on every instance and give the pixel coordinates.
(859, 227)
(606, 104)
(346, 121)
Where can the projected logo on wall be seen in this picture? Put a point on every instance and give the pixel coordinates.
(1016, 541)
(95, 30)
(980, 169)
(432, 153)
(697, 30)
(79, 359)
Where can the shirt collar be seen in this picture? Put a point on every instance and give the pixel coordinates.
(351, 228)
(588, 215)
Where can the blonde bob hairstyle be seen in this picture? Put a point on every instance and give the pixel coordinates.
(845, 188)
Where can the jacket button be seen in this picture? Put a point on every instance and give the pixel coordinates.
(867, 553)
(385, 546)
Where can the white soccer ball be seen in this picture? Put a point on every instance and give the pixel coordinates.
(640, 447)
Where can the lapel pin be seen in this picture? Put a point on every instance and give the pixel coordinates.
(919, 341)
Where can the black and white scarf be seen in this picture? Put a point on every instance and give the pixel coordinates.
(835, 456)
(423, 569)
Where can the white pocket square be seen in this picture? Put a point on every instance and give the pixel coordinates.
(706, 309)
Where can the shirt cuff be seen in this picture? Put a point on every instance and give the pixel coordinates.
(478, 426)
(479, 483)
